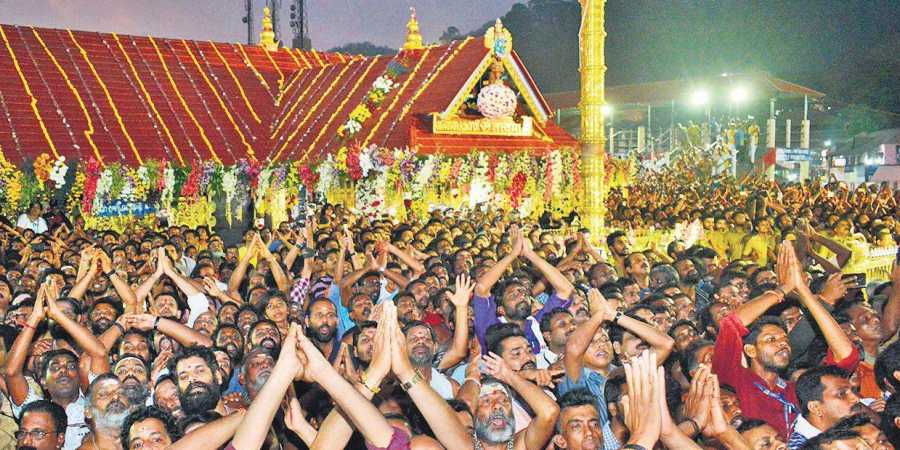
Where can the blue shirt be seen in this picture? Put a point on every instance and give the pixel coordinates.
(344, 322)
(595, 383)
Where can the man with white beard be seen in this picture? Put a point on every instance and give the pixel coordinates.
(494, 420)
(108, 405)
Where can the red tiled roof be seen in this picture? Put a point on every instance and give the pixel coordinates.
(188, 100)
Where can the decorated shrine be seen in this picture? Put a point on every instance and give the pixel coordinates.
(121, 128)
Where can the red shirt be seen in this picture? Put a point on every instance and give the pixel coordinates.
(754, 403)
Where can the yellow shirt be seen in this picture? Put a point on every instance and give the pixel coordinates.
(757, 248)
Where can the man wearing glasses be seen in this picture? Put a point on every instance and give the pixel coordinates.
(42, 426)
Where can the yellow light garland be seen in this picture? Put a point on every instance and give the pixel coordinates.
(396, 97)
(249, 64)
(149, 98)
(280, 76)
(428, 82)
(296, 77)
(339, 109)
(183, 102)
(109, 99)
(303, 57)
(34, 100)
(215, 92)
(322, 98)
(283, 119)
(290, 53)
(316, 55)
(90, 123)
(238, 83)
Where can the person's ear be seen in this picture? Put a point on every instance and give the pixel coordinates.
(750, 351)
(560, 441)
(815, 408)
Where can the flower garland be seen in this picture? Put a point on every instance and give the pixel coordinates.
(236, 82)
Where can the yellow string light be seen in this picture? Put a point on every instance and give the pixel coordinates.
(397, 97)
(428, 82)
(303, 57)
(322, 98)
(238, 83)
(215, 92)
(294, 79)
(316, 55)
(339, 109)
(149, 98)
(27, 87)
(183, 102)
(283, 119)
(249, 64)
(109, 99)
(280, 76)
(89, 132)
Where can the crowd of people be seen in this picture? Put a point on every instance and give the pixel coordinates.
(461, 330)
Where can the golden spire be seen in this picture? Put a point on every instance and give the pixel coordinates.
(413, 37)
(267, 37)
(592, 40)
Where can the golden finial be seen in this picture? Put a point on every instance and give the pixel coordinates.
(267, 37)
(498, 39)
(413, 37)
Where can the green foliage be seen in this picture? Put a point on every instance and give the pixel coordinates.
(364, 48)
(861, 119)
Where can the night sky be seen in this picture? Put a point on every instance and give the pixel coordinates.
(332, 22)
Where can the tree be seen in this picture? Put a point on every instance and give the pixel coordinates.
(450, 34)
(364, 48)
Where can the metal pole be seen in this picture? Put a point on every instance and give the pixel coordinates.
(249, 5)
(672, 127)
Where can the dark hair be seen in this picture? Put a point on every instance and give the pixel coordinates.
(575, 398)
(357, 330)
(681, 323)
(616, 332)
(47, 357)
(689, 360)
(316, 300)
(810, 388)
(460, 406)
(611, 237)
(201, 352)
(106, 301)
(548, 318)
(223, 326)
(750, 424)
(268, 297)
(851, 422)
(60, 419)
(886, 364)
(888, 420)
(499, 332)
(149, 412)
(203, 417)
(757, 326)
(830, 435)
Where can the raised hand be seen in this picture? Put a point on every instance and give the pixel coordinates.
(496, 367)
(211, 288)
(696, 406)
(783, 268)
(294, 417)
(315, 364)
(599, 305)
(642, 414)
(717, 422)
(516, 239)
(835, 288)
(400, 363)
(143, 322)
(380, 365)
(465, 286)
(38, 312)
(51, 294)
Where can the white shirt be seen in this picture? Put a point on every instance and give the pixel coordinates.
(545, 358)
(38, 226)
(77, 428)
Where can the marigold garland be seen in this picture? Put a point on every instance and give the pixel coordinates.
(236, 82)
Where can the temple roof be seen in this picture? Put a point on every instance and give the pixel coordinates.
(130, 98)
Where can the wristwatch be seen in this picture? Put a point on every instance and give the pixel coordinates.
(407, 385)
(634, 447)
